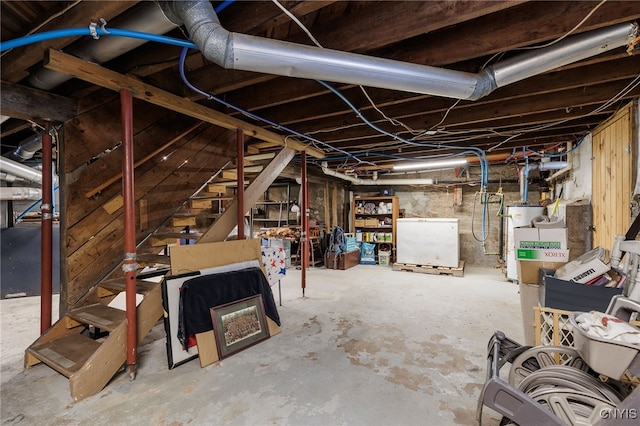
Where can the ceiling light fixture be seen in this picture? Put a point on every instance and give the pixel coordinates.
(431, 164)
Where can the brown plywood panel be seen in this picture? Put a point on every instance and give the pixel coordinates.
(194, 257)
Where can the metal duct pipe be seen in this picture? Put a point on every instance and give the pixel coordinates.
(250, 53)
(27, 148)
(20, 193)
(11, 178)
(376, 181)
(549, 165)
(14, 168)
(146, 17)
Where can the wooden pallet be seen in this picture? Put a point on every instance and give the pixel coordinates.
(428, 269)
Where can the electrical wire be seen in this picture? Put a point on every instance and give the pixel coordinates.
(571, 31)
(278, 126)
(484, 164)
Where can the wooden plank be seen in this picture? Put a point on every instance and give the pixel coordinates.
(200, 204)
(252, 149)
(149, 311)
(101, 76)
(249, 159)
(27, 103)
(194, 257)
(65, 355)
(233, 173)
(144, 216)
(114, 204)
(98, 315)
(109, 164)
(428, 269)
(91, 135)
(183, 221)
(327, 204)
(217, 188)
(103, 364)
(146, 158)
(207, 348)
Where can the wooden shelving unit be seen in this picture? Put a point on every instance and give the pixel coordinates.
(370, 219)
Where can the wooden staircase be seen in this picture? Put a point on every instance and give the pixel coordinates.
(88, 345)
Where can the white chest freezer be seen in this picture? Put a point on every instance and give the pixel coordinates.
(428, 241)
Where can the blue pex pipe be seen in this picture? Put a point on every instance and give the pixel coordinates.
(76, 32)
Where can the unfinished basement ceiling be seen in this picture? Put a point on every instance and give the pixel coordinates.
(539, 112)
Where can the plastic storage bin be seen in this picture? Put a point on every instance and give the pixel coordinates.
(606, 357)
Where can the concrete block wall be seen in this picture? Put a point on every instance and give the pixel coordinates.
(437, 201)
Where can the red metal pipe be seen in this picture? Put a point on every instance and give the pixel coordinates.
(240, 170)
(46, 241)
(304, 232)
(130, 265)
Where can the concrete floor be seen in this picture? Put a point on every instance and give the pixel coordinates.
(366, 346)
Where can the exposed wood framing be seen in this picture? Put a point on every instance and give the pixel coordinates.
(101, 76)
(612, 176)
(225, 223)
(32, 104)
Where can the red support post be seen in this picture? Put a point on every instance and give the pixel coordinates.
(130, 264)
(240, 173)
(46, 241)
(304, 232)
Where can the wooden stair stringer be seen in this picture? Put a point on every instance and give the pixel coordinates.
(90, 364)
(101, 366)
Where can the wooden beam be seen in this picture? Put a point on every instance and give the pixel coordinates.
(101, 76)
(27, 103)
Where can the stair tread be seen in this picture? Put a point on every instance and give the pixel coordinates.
(102, 316)
(67, 354)
(142, 287)
(212, 198)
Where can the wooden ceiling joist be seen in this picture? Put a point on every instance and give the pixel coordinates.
(27, 103)
(104, 77)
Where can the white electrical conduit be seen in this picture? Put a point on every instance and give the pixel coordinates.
(20, 193)
(359, 181)
(250, 53)
(14, 168)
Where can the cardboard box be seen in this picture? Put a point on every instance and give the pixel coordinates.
(343, 260)
(572, 296)
(359, 223)
(371, 223)
(585, 268)
(541, 245)
(529, 271)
